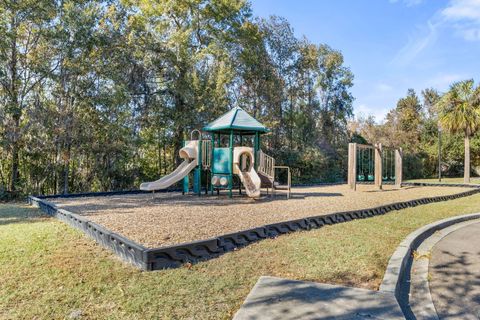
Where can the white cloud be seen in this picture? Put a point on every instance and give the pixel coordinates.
(465, 16)
(459, 10)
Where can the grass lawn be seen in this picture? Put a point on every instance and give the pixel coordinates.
(473, 180)
(50, 271)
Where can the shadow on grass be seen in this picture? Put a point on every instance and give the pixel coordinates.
(17, 213)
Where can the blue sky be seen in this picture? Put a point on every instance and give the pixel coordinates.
(390, 45)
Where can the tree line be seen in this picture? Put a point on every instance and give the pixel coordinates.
(431, 127)
(98, 95)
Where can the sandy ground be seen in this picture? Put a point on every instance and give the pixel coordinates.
(171, 218)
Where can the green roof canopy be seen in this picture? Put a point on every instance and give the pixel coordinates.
(236, 119)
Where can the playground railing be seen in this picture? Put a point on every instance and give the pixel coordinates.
(206, 153)
(266, 165)
(288, 186)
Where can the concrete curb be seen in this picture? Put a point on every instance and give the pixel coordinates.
(399, 265)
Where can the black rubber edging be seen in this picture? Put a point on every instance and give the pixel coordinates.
(428, 184)
(192, 252)
(105, 193)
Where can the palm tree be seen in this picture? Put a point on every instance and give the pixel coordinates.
(459, 111)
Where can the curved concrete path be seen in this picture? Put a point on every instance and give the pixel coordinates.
(454, 271)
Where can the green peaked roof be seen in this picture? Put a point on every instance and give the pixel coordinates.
(236, 119)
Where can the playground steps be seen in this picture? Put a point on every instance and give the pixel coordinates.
(266, 172)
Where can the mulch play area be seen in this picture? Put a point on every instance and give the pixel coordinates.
(170, 218)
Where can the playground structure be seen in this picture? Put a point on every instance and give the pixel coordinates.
(374, 164)
(233, 151)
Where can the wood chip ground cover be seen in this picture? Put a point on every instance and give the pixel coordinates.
(172, 218)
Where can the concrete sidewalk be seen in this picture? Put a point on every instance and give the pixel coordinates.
(451, 286)
(276, 298)
(455, 274)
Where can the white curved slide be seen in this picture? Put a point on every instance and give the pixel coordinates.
(190, 155)
(251, 181)
(248, 176)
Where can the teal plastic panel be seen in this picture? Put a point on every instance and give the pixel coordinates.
(186, 184)
(196, 180)
(221, 161)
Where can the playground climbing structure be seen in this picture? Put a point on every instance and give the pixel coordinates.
(231, 158)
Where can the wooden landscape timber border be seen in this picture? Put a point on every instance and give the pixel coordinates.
(176, 255)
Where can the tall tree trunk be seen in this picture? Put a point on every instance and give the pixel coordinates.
(291, 123)
(14, 168)
(72, 173)
(177, 145)
(56, 171)
(3, 181)
(164, 159)
(466, 173)
(66, 169)
(15, 150)
(159, 153)
(159, 160)
(16, 111)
